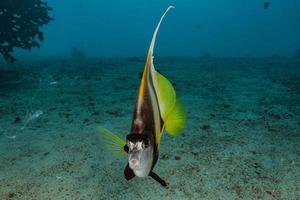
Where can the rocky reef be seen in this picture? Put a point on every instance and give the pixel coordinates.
(20, 25)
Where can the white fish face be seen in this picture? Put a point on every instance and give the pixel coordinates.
(140, 157)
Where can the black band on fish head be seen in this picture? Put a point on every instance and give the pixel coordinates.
(136, 137)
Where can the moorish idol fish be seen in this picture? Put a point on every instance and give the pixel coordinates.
(157, 109)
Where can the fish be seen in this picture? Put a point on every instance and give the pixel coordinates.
(198, 26)
(157, 109)
(266, 5)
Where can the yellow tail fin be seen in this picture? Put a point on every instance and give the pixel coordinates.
(172, 110)
(176, 119)
(166, 95)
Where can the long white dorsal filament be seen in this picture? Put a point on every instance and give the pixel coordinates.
(156, 30)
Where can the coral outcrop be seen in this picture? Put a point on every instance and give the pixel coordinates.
(20, 23)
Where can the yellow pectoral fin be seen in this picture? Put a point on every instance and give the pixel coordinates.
(176, 119)
(113, 143)
(166, 95)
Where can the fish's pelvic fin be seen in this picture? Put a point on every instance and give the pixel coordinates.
(113, 143)
(158, 179)
(128, 173)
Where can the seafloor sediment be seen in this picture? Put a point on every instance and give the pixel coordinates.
(241, 141)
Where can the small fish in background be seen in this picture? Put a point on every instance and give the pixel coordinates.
(53, 83)
(81, 6)
(198, 26)
(266, 5)
(157, 109)
(32, 117)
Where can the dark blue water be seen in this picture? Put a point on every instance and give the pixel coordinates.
(221, 27)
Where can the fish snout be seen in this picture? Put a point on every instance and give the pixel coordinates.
(133, 163)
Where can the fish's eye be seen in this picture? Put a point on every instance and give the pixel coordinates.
(146, 142)
(130, 144)
(145, 145)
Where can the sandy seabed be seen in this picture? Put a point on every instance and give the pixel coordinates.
(242, 139)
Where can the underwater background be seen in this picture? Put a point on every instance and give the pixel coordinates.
(234, 64)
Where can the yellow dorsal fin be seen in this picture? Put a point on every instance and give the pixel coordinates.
(176, 119)
(113, 143)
